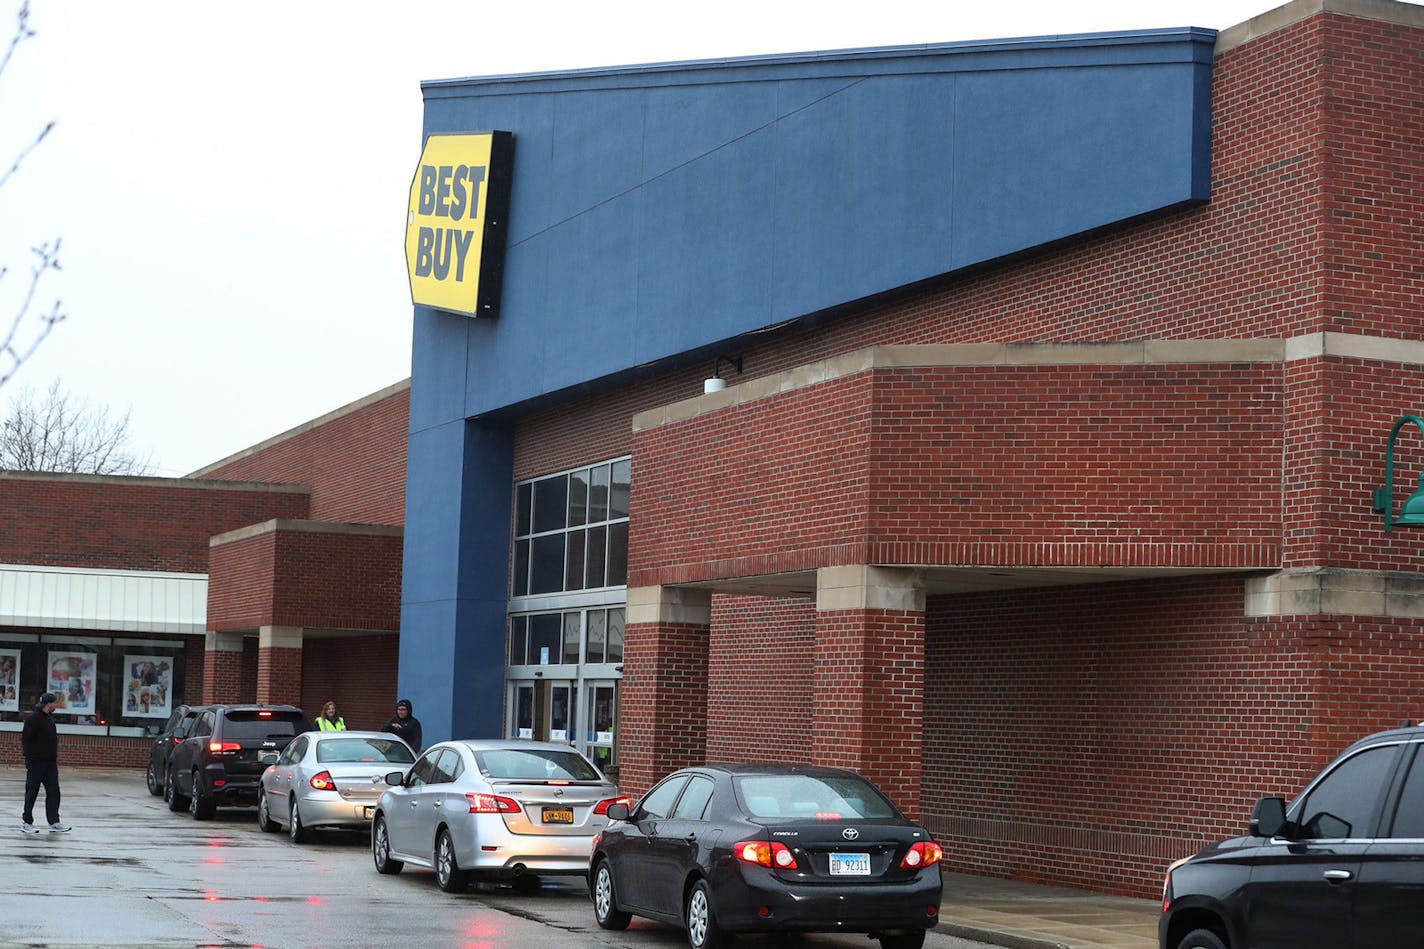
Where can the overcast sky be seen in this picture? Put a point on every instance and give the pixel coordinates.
(230, 180)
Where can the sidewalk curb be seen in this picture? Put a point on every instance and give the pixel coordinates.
(997, 937)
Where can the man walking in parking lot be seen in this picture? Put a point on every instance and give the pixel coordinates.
(39, 743)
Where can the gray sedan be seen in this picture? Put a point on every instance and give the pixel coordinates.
(329, 779)
(498, 808)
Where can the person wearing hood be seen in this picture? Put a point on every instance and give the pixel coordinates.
(405, 725)
(39, 743)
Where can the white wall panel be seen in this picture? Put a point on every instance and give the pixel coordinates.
(123, 600)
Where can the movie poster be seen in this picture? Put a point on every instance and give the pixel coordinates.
(9, 680)
(73, 677)
(149, 689)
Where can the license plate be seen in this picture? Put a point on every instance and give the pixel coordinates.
(850, 864)
(370, 813)
(558, 815)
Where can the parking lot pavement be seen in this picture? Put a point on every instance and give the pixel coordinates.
(132, 873)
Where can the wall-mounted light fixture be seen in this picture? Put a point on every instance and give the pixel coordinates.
(717, 383)
(1412, 513)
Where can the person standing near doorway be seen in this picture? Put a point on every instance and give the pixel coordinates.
(39, 743)
(329, 721)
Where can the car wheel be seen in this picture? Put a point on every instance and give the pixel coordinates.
(176, 801)
(265, 823)
(448, 874)
(154, 787)
(199, 804)
(702, 929)
(605, 907)
(1201, 939)
(903, 940)
(381, 848)
(296, 830)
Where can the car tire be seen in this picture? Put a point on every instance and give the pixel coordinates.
(1201, 939)
(381, 847)
(154, 787)
(177, 803)
(265, 823)
(296, 831)
(199, 804)
(448, 875)
(605, 903)
(700, 920)
(913, 939)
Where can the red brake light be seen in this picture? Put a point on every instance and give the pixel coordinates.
(491, 804)
(264, 714)
(763, 854)
(602, 806)
(926, 853)
(323, 782)
(223, 747)
(827, 815)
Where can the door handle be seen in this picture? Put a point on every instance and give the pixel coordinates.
(413, 803)
(692, 836)
(437, 804)
(1337, 876)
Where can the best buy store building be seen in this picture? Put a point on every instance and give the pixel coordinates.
(1058, 373)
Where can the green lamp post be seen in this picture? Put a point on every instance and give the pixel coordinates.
(1412, 514)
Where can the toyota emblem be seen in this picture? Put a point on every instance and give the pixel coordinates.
(850, 833)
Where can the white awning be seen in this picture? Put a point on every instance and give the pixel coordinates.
(122, 600)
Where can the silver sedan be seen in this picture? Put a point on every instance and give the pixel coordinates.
(508, 809)
(329, 779)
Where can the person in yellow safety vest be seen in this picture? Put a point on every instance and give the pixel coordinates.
(329, 721)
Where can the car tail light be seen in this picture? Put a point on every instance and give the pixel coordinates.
(491, 804)
(602, 806)
(224, 747)
(926, 853)
(323, 782)
(264, 714)
(827, 815)
(764, 854)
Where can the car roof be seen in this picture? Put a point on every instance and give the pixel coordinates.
(510, 744)
(1403, 733)
(768, 768)
(327, 736)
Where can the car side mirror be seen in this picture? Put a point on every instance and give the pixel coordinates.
(1268, 817)
(395, 778)
(618, 812)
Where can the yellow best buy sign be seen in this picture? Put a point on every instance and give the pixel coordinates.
(454, 231)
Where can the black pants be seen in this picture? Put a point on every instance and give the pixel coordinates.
(37, 773)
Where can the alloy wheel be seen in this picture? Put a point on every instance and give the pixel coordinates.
(603, 892)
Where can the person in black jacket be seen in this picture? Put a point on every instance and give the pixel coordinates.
(39, 743)
(405, 725)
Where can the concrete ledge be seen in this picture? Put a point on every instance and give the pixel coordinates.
(305, 527)
(661, 604)
(863, 587)
(1405, 14)
(1386, 594)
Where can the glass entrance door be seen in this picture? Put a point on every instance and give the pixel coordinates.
(600, 720)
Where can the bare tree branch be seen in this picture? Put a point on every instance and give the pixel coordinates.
(20, 341)
(54, 432)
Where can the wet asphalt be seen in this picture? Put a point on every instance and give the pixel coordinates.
(132, 873)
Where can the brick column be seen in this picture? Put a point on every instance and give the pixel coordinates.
(279, 666)
(663, 715)
(868, 709)
(222, 668)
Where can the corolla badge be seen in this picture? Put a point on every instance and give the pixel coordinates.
(850, 833)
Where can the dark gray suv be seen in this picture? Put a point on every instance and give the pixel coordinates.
(1341, 866)
(220, 761)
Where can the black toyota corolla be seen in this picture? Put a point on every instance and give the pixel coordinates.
(758, 848)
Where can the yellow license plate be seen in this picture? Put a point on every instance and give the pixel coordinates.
(558, 815)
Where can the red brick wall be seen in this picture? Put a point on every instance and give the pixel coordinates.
(1090, 735)
(356, 672)
(354, 462)
(127, 523)
(329, 580)
(662, 721)
(1160, 465)
(279, 675)
(760, 685)
(91, 751)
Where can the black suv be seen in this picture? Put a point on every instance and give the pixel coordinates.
(170, 736)
(1342, 866)
(224, 754)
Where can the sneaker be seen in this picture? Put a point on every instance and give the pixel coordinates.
(59, 827)
(29, 828)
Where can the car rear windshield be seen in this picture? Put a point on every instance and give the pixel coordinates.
(804, 797)
(338, 750)
(520, 764)
(250, 726)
